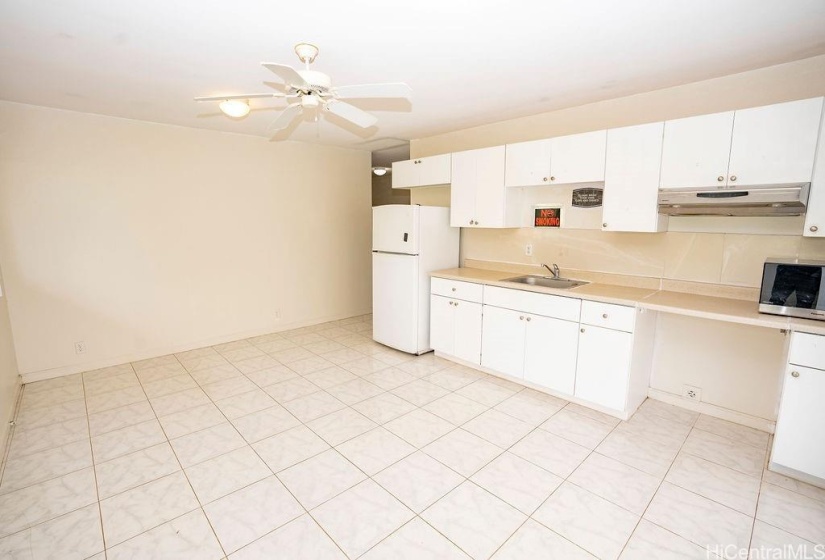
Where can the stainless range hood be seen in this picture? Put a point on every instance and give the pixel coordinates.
(770, 200)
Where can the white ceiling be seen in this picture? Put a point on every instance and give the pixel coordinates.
(468, 62)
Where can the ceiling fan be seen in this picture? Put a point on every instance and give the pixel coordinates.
(312, 90)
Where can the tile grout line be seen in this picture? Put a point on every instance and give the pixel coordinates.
(94, 469)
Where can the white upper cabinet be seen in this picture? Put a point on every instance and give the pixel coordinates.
(775, 144)
(815, 216)
(577, 158)
(528, 163)
(478, 197)
(421, 172)
(761, 146)
(631, 180)
(696, 151)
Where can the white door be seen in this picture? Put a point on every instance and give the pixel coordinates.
(490, 191)
(527, 163)
(502, 340)
(442, 324)
(815, 216)
(550, 348)
(578, 158)
(631, 180)
(395, 228)
(696, 151)
(395, 301)
(463, 189)
(775, 144)
(434, 170)
(467, 339)
(800, 427)
(603, 366)
(404, 174)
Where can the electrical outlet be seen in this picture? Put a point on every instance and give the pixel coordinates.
(528, 249)
(692, 393)
(80, 347)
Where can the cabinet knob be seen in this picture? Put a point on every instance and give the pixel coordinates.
(456, 304)
(720, 178)
(471, 222)
(521, 318)
(733, 177)
(794, 374)
(813, 228)
(604, 315)
(528, 319)
(544, 179)
(476, 222)
(604, 224)
(552, 178)
(453, 289)
(582, 330)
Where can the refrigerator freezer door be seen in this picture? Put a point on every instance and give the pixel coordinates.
(395, 229)
(395, 305)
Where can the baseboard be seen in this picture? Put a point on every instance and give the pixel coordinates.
(32, 376)
(798, 475)
(713, 410)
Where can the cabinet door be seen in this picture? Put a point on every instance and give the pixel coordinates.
(442, 324)
(631, 179)
(815, 216)
(502, 340)
(434, 170)
(775, 144)
(800, 428)
(527, 164)
(467, 340)
(578, 158)
(550, 347)
(463, 190)
(490, 192)
(603, 366)
(404, 174)
(696, 151)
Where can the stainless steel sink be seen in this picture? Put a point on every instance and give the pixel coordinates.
(547, 281)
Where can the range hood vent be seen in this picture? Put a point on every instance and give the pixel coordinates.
(771, 200)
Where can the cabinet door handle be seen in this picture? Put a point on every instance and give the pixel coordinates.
(544, 179)
(456, 304)
(521, 318)
(733, 177)
(720, 178)
(471, 222)
(552, 178)
(453, 289)
(528, 319)
(582, 330)
(794, 374)
(604, 315)
(814, 228)
(450, 302)
(604, 224)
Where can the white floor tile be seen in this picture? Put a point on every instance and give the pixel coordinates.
(127, 440)
(498, 428)
(375, 450)
(550, 452)
(226, 473)
(616, 482)
(577, 428)
(520, 483)
(313, 406)
(300, 538)
(188, 536)
(45, 465)
(728, 453)
(797, 514)
(290, 447)
(419, 427)
(474, 519)
(199, 446)
(651, 541)
(462, 451)
(415, 541)
(528, 407)
(418, 481)
(721, 484)
(340, 426)
(455, 409)
(132, 470)
(320, 478)
(384, 408)
(76, 535)
(265, 423)
(122, 417)
(533, 540)
(191, 420)
(245, 403)
(772, 542)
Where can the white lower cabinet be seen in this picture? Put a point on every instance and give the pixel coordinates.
(502, 338)
(800, 427)
(550, 348)
(455, 328)
(603, 366)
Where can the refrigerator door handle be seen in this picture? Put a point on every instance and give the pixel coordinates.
(394, 253)
(406, 237)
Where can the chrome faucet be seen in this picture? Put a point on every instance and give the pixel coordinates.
(554, 271)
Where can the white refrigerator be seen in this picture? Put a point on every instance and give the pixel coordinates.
(408, 242)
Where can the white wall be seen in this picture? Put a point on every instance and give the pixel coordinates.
(9, 380)
(140, 238)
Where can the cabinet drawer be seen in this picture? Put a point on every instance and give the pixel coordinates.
(807, 350)
(532, 302)
(608, 315)
(467, 291)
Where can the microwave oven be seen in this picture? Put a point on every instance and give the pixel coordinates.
(792, 287)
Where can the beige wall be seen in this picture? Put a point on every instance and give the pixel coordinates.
(383, 193)
(9, 380)
(719, 251)
(140, 238)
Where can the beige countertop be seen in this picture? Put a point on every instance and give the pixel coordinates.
(705, 307)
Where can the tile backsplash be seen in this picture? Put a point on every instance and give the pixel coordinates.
(712, 258)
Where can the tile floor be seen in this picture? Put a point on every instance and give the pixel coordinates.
(318, 443)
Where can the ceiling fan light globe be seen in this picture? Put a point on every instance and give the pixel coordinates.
(235, 108)
(380, 171)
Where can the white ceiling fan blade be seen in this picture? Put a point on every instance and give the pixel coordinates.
(287, 73)
(239, 96)
(285, 118)
(367, 91)
(352, 114)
